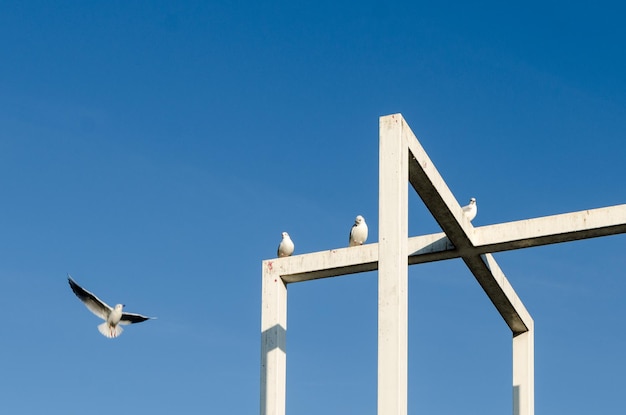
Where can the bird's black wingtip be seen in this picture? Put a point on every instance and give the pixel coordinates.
(74, 286)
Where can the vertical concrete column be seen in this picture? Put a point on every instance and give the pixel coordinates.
(273, 342)
(392, 267)
(524, 372)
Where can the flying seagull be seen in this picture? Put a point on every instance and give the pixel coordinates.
(358, 233)
(471, 209)
(112, 317)
(286, 247)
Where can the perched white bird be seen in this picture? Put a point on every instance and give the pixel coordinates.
(470, 210)
(112, 317)
(358, 233)
(286, 247)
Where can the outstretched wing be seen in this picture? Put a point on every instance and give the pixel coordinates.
(93, 303)
(131, 318)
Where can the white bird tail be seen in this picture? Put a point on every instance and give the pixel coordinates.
(110, 331)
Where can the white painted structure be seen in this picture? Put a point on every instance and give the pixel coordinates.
(402, 158)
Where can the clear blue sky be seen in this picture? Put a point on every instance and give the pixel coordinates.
(156, 151)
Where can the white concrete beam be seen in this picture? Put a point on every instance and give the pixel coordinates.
(436, 195)
(545, 230)
(524, 372)
(506, 236)
(503, 296)
(393, 297)
(273, 342)
(325, 264)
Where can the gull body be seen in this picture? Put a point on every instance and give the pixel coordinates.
(286, 246)
(471, 209)
(358, 233)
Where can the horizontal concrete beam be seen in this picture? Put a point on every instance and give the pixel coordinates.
(324, 264)
(553, 229)
(436, 247)
(355, 259)
(546, 230)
